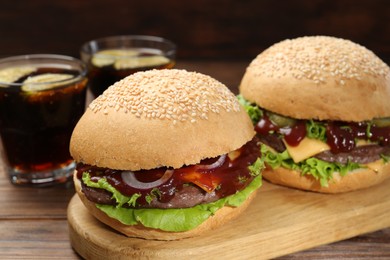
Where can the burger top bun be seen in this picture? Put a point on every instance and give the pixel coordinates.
(160, 118)
(319, 77)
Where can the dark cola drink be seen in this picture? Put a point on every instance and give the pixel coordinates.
(111, 59)
(109, 66)
(40, 105)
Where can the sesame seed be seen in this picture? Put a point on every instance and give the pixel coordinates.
(176, 95)
(319, 59)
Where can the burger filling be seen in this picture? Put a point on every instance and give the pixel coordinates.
(320, 148)
(174, 199)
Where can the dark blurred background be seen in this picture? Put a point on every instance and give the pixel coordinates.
(202, 29)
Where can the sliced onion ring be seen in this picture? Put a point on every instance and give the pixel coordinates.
(129, 178)
(215, 164)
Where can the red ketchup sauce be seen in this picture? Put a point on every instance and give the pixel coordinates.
(340, 136)
(225, 180)
(292, 135)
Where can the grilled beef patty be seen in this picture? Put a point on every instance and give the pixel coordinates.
(187, 197)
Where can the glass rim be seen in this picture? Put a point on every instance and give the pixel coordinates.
(85, 47)
(49, 57)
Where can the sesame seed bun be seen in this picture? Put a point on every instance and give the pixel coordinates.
(222, 216)
(357, 179)
(319, 77)
(160, 118)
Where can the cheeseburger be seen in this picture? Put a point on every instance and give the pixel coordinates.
(321, 109)
(165, 154)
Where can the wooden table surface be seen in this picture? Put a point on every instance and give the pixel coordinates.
(33, 222)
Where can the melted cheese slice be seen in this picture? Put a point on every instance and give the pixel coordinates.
(306, 148)
(309, 147)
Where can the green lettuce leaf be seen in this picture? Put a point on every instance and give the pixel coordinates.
(103, 184)
(256, 168)
(254, 112)
(320, 170)
(385, 158)
(175, 220)
(316, 130)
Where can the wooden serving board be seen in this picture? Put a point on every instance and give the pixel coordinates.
(279, 221)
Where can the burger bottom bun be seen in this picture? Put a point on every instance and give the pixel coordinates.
(357, 179)
(221, 217)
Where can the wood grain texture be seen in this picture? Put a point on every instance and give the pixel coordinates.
(32, 203)
(361, 247)
(280, 221)
(35, 239)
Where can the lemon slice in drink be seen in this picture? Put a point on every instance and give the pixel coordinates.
(46, 81)
(108, 57)
(10, 75)
(141, 62)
